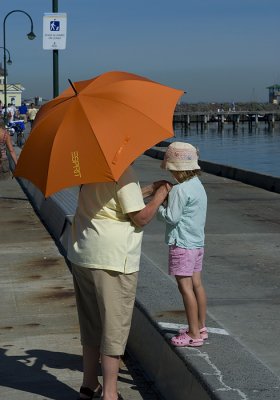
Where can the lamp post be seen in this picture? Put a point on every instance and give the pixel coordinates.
(31, 35)
(9, 60)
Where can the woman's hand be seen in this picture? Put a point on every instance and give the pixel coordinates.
(150, 190)
(157, 184)
(162, 192)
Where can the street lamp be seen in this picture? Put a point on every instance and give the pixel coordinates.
(31, 35)
(9, 60)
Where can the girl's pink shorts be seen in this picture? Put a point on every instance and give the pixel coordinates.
(184, 262)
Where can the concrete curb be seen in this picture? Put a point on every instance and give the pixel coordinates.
(176, 373)
(267, 182)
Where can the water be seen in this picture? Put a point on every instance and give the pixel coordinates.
(257, 149)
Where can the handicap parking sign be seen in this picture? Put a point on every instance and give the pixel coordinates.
(55, 26)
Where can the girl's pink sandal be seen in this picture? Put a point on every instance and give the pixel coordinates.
(203, 332)
(184, 340)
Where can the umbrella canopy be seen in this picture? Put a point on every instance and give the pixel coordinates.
(94, 129)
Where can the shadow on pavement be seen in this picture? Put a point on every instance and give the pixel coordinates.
(28, 372)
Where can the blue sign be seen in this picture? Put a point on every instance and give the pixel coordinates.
(55, 26)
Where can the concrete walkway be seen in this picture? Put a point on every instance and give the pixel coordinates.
(241, 359)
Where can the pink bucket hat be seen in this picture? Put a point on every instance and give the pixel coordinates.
(180, 156)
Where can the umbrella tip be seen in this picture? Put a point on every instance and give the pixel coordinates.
(73, 87)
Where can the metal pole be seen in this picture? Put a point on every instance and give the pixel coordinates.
(55, 58)
(5, 71)
(5, 79)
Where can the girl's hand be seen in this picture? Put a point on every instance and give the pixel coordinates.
(169, 186)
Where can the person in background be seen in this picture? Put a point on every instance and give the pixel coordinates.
(185, 216)
(22, 112)
(5, 144)
(104, 250)
(13, 106)
(10, 113)
(31, 114)
(3, 110)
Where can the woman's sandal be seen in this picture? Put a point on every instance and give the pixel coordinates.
(91, 394)
(203, 332)
(184, 340)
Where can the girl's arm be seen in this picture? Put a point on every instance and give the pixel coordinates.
(11, 148)
(175, 206)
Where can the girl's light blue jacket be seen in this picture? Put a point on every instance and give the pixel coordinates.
(185, 214)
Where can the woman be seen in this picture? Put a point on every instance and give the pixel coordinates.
(104, 251)
(5, 143)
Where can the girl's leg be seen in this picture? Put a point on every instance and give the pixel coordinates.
(201, 299)
(185, 286)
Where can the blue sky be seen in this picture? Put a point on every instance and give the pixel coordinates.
(215, 50)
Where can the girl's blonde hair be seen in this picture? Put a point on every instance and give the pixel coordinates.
(182, 176)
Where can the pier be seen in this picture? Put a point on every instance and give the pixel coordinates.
(39, 327)
(234, 117)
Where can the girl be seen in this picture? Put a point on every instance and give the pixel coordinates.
(185, 215)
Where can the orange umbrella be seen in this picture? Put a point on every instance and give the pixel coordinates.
(94, 129)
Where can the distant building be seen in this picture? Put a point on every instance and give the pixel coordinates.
(14, 90)
(274, 94)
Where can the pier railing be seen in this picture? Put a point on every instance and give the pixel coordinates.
(234, 117)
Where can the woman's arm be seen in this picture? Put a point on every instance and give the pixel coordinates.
(144, 216)
(11, 148)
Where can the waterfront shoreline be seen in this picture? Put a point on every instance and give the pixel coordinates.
(255, 148)
(263, 181)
